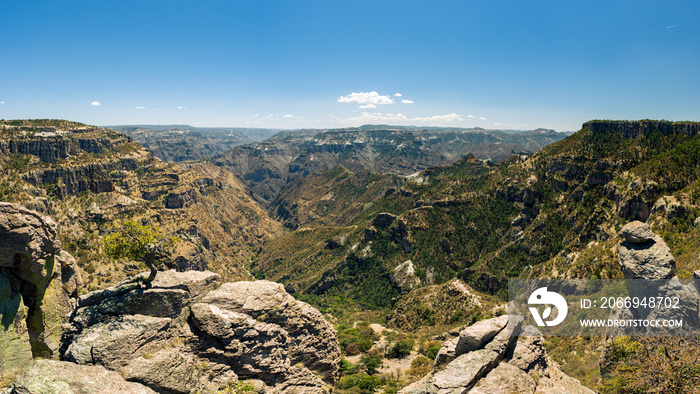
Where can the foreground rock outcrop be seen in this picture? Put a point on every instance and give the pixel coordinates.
(187, 333)
(489, 357)
(48, 376)
(39, 285)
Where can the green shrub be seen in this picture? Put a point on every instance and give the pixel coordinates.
(400, 349)
(371, 363)
(362, 381)
(347, 368)
(431, 349)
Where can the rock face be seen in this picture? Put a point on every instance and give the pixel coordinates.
(405, 276)
(38, 282)
(634, 129)
(186, 333)
(643, 254)
(47, 376)
(500, 363)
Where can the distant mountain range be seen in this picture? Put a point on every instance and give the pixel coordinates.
(289, 155)
(183, 142)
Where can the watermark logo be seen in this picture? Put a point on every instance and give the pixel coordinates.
(543, 297)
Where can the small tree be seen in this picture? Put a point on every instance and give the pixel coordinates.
(371, 363)
(134, 241)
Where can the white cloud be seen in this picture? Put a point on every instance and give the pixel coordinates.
(140, 107)
(2, 102)
(401, 119)
(498, 124)
(288, 116)
(95, 103)
(672, 26)
(407, 101)
(368, 106)
(398, 95)
(470, 116)
(256, 115)
(366, 98)
(482, 118)
(181, 107)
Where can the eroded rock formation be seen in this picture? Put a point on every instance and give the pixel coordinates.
(187, 332)
(39, 285)
(643, 254)
(488, 357)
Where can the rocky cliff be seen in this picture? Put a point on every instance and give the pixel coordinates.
(39, 286)
(188, 332)
(86, 177)
(182, 142)
(636, 129)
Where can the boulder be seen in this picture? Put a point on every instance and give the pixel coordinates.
(173, 370)
(314, 345)
(643, 254)
(48, 376)
(529, 352)
(182, 334)
(475, 336)
(652, 260)
(637, 232)
(505, 378)
(113, 343)
(463, 373)
(670, 206)
(258, 349)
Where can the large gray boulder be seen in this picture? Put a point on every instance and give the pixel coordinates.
(52, 377)
(643, 254)
(313, 342)
(186, 332)
(637, 232)
(475, 336)
(471, 338)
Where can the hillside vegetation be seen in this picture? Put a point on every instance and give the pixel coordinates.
(553, 214)
(87, 177)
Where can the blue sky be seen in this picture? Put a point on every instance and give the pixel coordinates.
(294, 64)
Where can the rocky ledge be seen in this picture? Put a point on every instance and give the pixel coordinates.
(186, 333)
(489, 357)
